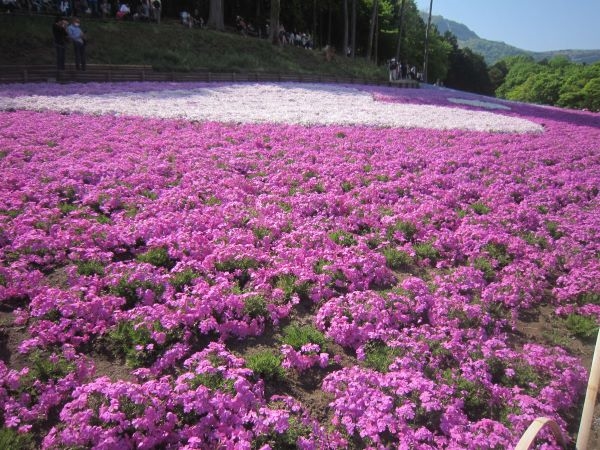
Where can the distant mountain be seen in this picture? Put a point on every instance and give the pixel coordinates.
(493, 51)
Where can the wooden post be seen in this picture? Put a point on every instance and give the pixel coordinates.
(590, 400)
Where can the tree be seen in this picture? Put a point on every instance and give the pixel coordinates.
(345, 12)
(372, 28)
(400, 31)
(353, 50)
(275, 10)
(215, 15)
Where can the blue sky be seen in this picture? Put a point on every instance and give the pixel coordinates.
(536, 25)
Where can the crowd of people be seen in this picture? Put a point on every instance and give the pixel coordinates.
(402, 71)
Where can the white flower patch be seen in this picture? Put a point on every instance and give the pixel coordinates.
(289, 103)
(478, 103)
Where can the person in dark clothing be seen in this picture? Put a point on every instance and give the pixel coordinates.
(59, 30)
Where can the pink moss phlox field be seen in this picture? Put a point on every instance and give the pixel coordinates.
(166, 243)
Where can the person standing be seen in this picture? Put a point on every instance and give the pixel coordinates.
(59, 31)
(78, 38)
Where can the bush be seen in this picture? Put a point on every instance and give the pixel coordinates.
(89, 268)
(342, 238)
(255, 306)
(397, 259)
(158, 257)
(583, 327)
(266, 364)
(408, 229)
(182, 279)
(297, 336)
(10, 439)
(379, 356)
(425, 250)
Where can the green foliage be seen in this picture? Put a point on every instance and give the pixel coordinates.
(288, 283)
(261, 232)
(298, 335)
(233, 264)
(122, 341)
(255, 306)
(288, 440)
(213, 381)
(266, 364)
(89, 268)
(65, 207)
(583, 327)
(408, 229)
(556, 82)
(397, 259)
(12, 213)
(486, 267)
(552, 228)
(43, 369)
(499, 252)
(346, 186)
(182, 279)
(379, 356)
(480, 208)
(425, 250)
(343, 238)
(158, 256)
(128, 289)
(319, 266)
(587, 298)
(11, 439)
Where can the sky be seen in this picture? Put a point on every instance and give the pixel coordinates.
(535, 25)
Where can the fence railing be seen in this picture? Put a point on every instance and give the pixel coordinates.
(587, 415)
(113, 73)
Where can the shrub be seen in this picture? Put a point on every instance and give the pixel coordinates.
(346, 186)
(132, 342)
(379, 356)
(89, 268)
(255, 306)
(583, 327)
(214, 382)
(128, 289)
(397, 259)
(480, 208)
(11, 439)
(233, 264)
(425, 250)
(158, 257)
(297, 336)
(485, 266)
(342, 238)
(182, 279)
(266, 364)
(408, 229)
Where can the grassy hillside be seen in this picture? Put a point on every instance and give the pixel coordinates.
(28, 40)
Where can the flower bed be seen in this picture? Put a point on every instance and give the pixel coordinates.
(408, 231)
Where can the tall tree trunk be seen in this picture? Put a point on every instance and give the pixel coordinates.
(275, 7)
(346, 42)
(400, 31)
(372, 29)
(329, 15)
(376, 43)
(314, 30)
(215, 15)
(258, 19)
(353, 49)
(427, 43)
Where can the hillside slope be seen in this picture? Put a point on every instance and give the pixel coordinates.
(28, 40)
(493, 51)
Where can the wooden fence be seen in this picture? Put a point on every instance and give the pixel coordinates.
(115, 73)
